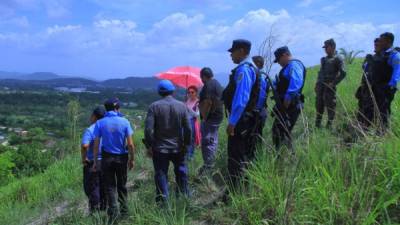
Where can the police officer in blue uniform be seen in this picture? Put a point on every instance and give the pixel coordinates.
(240, 100)
(290, 100)
(115, 133)
(386, 76)
(92, 180)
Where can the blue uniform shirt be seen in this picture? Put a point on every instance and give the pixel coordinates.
(262, 97)
(294, 73)
(113, 131)
(245, 78)
(88, 138)
(394, 61)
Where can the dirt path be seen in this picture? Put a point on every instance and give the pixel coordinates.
(64, 207)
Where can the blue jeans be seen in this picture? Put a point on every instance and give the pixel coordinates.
(161, 164)
(190, 149)
(209, 143)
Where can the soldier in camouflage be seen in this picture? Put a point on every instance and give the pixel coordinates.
(332, 72)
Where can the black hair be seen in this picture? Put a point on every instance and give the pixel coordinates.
(165, 93)
(376, 40)
(98, 112)
(388, 36)
(206, 72)
(258, 58)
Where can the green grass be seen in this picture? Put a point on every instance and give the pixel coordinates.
(334, 178)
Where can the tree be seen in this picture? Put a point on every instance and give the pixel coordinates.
(73, 117)
(349, 56)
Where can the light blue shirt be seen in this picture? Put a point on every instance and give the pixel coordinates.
(88, 139)
(245, 78)
(294, 72)
(113, 131)
(394, 61)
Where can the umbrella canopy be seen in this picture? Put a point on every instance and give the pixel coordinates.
(182, 76)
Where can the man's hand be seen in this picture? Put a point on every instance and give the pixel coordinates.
(94, 167)
(85, 161)
(286, 103)
(131, 164)
(230, 130)
(149, 152)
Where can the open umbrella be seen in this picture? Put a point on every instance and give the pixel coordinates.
(182, 76)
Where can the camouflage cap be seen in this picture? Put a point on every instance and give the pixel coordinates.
(329, 42)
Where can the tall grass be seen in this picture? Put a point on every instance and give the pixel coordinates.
(334, 177)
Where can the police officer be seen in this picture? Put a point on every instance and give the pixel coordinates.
(262, 98)
(289, 99)
(364, 94)
(385, 75)
(92, 180)
(115, 133)
(167, 134)
(332, 72)
(240, 99)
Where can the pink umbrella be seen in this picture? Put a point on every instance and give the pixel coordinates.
(182, 76)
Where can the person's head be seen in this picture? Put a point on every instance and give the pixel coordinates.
(282, 56)
(97, 114)
(377, 45)
(240, 50)
(112, 104)
(165, 88)
(192, 92)
(330, 46)
(386, 40)
(206, 74)
(258, 61)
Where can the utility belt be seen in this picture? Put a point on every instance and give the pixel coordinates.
(106, 154)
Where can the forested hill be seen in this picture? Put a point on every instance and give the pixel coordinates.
(52, 80)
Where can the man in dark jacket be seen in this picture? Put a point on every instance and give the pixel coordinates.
(332, 72)
(167, 135)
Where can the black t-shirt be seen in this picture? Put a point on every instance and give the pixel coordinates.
(212, 90)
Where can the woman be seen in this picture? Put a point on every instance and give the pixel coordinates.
(192, 103)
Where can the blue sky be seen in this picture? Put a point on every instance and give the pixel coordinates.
(118, 38)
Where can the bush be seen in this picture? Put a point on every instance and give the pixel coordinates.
(6, 167)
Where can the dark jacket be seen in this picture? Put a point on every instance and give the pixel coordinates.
(167, 126)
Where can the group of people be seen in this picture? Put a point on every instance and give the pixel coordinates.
(173, 129)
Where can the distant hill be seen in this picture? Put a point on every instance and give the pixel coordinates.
(31, 76)
(50, 80)
(131, 82)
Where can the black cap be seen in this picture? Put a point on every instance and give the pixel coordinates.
(99, 112)
(112, 104)
(240, 43)
(329, 42)
(389, 36)
(279, 52)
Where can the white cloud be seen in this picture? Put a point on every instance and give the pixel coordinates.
(332, 7)
(305, 3)
(119, 46)
(60, 29)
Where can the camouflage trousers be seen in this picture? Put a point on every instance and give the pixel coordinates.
(325, 98)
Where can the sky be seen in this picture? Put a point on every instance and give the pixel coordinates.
(103, 39)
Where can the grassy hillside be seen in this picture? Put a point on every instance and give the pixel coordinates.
(334, 178)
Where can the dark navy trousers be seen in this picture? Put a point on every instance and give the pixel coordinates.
(161, 164)
(93, 186)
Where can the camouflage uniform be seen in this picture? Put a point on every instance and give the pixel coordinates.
(332, 72)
